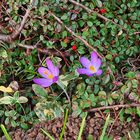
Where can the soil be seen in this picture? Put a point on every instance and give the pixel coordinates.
(94, 126)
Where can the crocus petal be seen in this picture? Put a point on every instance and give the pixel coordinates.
(84, 71)
(94, 58)
(56, 71)
(99, 72)
(90, 75)
(44, 72)
(50, 65)
(55, 79)
(43, 82)
(97, 64)
(85, 62)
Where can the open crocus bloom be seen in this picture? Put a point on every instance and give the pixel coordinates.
(91, 67)
(49, 75)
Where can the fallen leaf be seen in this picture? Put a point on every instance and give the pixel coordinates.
(6, 89)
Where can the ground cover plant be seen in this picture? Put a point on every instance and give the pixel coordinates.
(76, 55)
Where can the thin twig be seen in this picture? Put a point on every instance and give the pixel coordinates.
(136, 33)
(75, 35)
(44, 51)
(27, 46)
(113, 123)
(113, 107)
(98, 14)
(9, 38)
(52, 52)
(63, 56)
(17, 32)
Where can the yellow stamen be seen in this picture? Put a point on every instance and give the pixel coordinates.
(50, 76)
(92, 68)
(46, 72)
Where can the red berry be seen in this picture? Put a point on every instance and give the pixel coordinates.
(102, 11)
(74, 47)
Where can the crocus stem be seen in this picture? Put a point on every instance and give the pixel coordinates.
(63, 88)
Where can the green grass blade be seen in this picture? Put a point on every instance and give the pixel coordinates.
(5, 132)
(47, 134)
(64, 125)
(105, 126)
(81, 128)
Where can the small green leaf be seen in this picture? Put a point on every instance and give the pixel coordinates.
(98, 3)
(131, 74)
(117, 59)
(39, 91)
(138, 111)
(96, 89)
(24, 126)
(64, 17)
(10, 113)
(133, 96)
(115, 95)
(3, 53)
(110, 101)
(104, 103)
(63, 44)
(134, 83)
(6, 100)
(128, 111)
(62, 82)
(64, 34)
(85, 16)
(109, 56)
(92, 97)
(81, 23)
(70, 76)
(106, 79)
(89, 23)
(13, 123)
(129, 119)
(102, 94)
(41, 37)
(123, 88)
(22, 99)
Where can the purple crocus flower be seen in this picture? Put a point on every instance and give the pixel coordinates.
(49, 75)
(91, 67)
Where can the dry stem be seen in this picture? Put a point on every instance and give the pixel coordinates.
(9, 38)
(98, 14)
(45, 51)
(113, 107)
(74, 34)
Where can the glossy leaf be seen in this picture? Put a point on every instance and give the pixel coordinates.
(39, 91)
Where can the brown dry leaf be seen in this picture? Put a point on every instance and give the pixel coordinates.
(66, 40)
